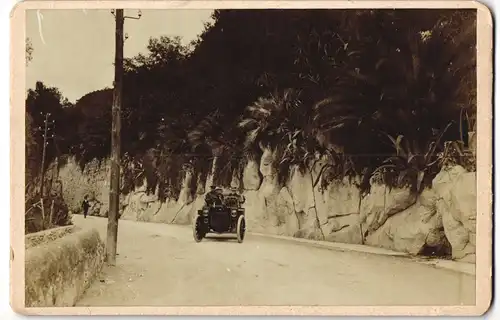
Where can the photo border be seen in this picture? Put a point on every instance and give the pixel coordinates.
(484, 225)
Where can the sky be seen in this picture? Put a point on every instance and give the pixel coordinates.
(74, 49)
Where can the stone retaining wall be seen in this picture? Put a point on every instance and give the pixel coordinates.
(440, 221)
(58, 272)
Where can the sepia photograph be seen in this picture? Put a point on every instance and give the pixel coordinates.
(250, 156)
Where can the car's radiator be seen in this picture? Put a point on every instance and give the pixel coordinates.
(220, 220)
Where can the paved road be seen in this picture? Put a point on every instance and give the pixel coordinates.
(161, 265)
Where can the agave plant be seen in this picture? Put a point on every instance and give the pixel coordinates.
(133, 174)
(455, 153)
(409, 166)
(338, 167)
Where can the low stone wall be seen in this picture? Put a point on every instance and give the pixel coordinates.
(39, 238)
(58, 272)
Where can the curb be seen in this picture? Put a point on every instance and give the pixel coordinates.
(344, 247)
(456, 266)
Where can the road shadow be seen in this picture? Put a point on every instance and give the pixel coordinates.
(220, 238)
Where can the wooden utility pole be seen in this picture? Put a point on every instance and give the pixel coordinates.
(114, 194)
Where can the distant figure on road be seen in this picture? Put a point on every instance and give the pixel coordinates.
(85, 206)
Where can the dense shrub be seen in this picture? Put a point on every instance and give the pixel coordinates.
(55, 213)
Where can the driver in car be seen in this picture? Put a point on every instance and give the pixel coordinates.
(212, 196)
(235, 193)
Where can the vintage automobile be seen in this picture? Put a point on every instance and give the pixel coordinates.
(221, 217)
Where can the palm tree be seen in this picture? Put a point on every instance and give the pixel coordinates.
(281, 125)
(217, 134)
(270, 122)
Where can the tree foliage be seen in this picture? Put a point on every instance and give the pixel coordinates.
(307, 83)
(29, 50)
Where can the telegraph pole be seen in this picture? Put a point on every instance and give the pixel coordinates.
(44, 151)
(114, 194)
(42, 169)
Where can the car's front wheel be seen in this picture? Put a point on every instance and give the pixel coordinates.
(198, 234)
(240, 229)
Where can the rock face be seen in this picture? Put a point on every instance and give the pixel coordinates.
(306, 199)
(381, 203)
(93, 181)
(269, 188)
(185, 197)
(397, 219)
(457, 205)
(251, 177)
(340, 208)
(414, 228)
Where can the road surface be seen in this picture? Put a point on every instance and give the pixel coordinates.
(161, 265)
